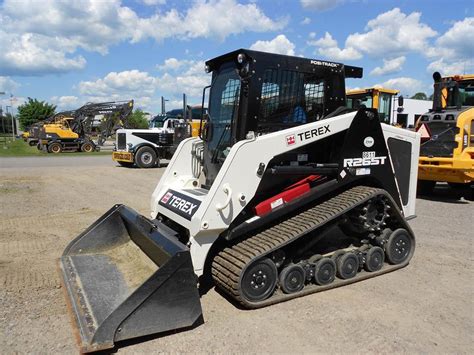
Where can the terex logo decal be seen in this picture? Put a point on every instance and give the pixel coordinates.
(315, 132)
(180, 204)
(290, 140)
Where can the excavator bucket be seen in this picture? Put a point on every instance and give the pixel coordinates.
(126, 277)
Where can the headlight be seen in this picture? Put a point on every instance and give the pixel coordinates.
(240, 58)
(207, 69)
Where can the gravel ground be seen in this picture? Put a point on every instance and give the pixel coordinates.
(426, 307)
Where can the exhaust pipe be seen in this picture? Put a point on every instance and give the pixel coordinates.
(126, 277)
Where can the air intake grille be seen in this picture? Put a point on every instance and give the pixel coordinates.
(121, 141)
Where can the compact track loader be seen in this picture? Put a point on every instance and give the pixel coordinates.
(287, 192)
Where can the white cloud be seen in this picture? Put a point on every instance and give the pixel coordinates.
(280, 44)
(191, 79)
(392, 33)
(454, 49)
(66, 102)
(328, 47)
(306, 21)
(8, 85)
(447, 68)
(320, 5)
(407, 86)
(390, 66)
(39, 37)
(153, 2)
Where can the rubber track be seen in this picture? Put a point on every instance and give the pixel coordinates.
(230, 263)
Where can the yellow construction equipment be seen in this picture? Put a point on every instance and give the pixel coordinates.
(447, 147)
(375, 97)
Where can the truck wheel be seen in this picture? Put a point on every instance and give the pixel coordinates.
(87, 147)
(55, 148)
(425, 187)
(145, 157)
(31, 143)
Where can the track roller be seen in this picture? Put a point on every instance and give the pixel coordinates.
(398, 247)
(259, 280)
(347, 266)
(292, 278)
(374, 259)
(324, 271)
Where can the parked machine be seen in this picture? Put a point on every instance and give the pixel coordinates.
(31, 136)
(73, 131)
(377, 98)
(447, 147)
(146, 148)
(287, 192)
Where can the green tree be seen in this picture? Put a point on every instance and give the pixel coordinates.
(137, 119)
(419, 96)
(33, 111)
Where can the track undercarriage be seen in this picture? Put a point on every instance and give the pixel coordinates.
(306, 253)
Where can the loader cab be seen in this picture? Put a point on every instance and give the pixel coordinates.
(261, 93)
(378, 98)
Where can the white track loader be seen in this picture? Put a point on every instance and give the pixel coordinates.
(286, 193)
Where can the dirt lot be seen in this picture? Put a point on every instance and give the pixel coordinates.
(426, 307)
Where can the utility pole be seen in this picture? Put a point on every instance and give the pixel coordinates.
(1, 112)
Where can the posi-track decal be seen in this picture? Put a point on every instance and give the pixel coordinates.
(180, 204)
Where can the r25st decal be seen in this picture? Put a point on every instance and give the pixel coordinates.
(368, 159)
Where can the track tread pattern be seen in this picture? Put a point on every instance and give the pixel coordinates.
(230, 264)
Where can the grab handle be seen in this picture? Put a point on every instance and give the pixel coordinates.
(227, 190)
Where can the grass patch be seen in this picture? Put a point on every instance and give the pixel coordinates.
(19, 148)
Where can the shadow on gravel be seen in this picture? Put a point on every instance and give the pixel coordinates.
(162, 165)
(446, 194)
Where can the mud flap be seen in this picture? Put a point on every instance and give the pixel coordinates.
(126, 277)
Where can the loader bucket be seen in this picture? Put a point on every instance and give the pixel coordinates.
(126, 277)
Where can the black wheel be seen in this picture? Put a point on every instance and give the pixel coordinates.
(374, 259)
(259, 280)
(31, 143)
(145, 157)
(425, 187)
(398, 247)
(125, 164)
(347, 266)
(292, 278)
(87, 147)
(55, 148)
(324, 271)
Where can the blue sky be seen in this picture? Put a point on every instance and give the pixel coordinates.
(71, 52)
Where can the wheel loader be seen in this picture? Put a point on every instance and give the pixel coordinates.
(447, 147)
(285, 193)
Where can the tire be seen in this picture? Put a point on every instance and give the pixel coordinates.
(259, 280)
(125, 164)
(87, 147)
(324, 271)
(55, 148)
(347, 266)
(292, 278)
(399, 247)
(374, 259)
(31, 143)
(145, 157)
(425, 187)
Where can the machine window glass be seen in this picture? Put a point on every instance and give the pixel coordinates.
(360, 101)
(385, 105)
(223, 107)
(290, 98)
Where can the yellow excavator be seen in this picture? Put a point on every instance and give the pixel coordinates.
(375, 97)
(73, 132)
(447, 146)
